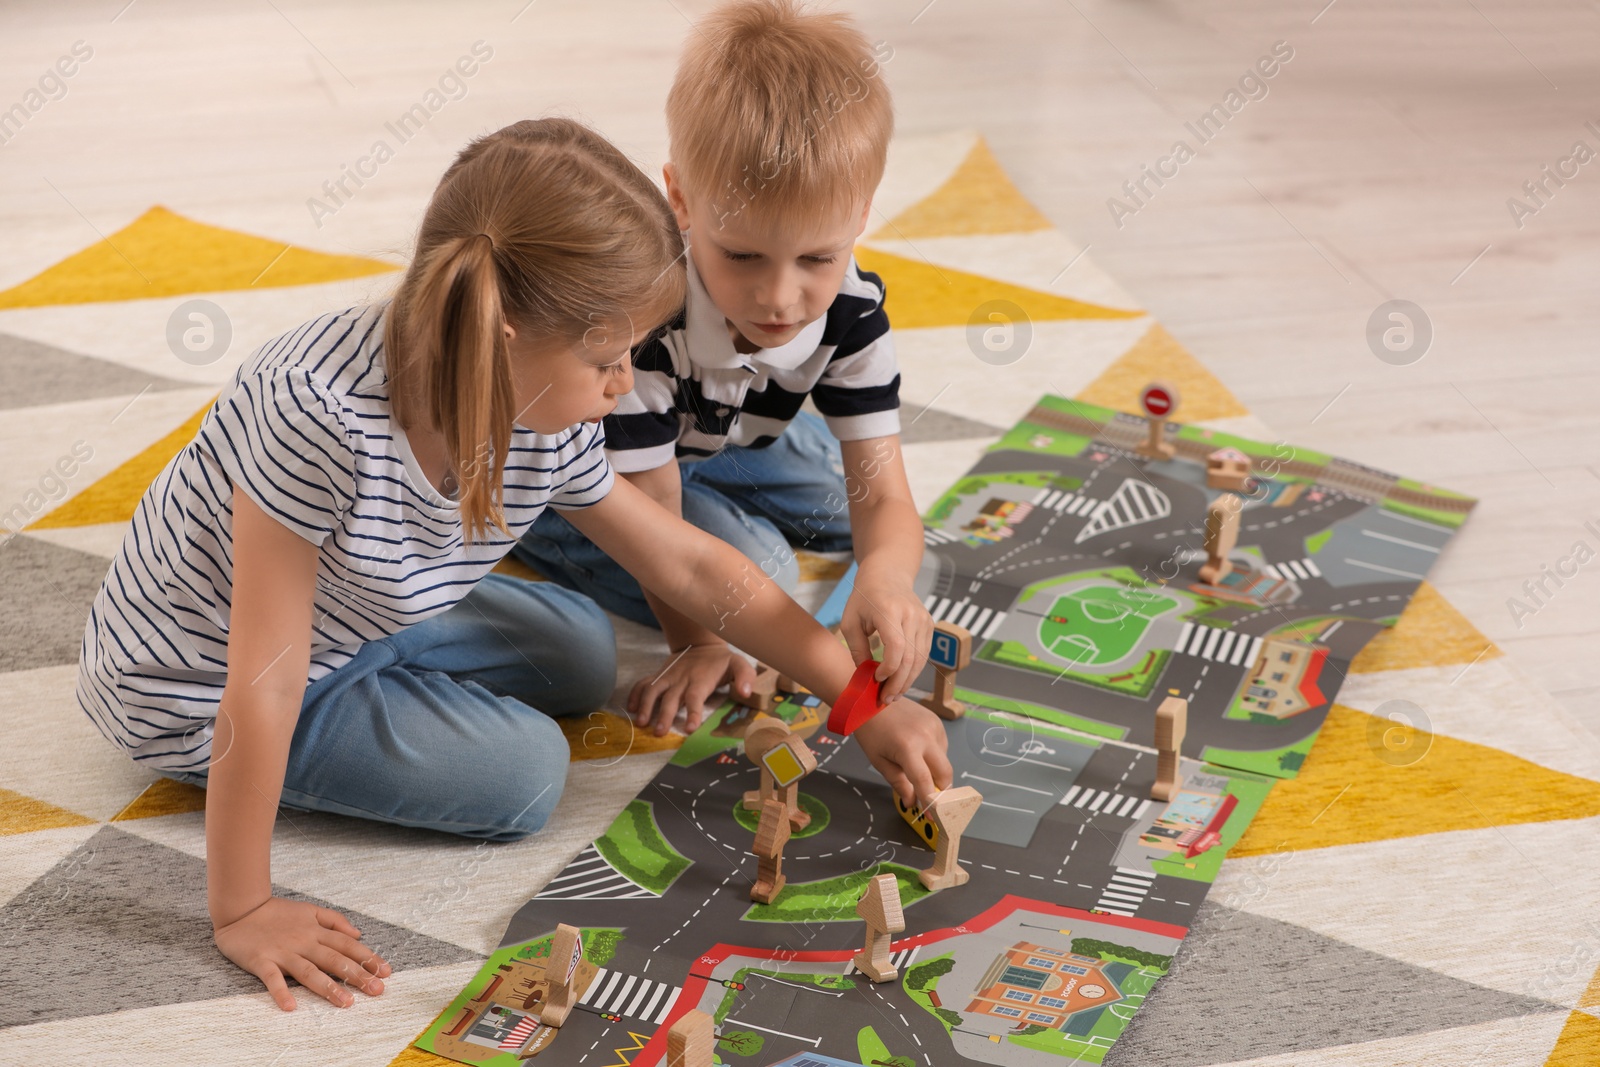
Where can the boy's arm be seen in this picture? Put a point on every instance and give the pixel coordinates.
(269, 654)
(699, 661)
(859, 395)
(887, 531)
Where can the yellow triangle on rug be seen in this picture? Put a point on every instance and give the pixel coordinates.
(978, 197)
(115, 497)
(1158, 355)
(162, 253)
(164, 796)
(1579, 1043)
(1430, 633)
(922, 295)
(1357, 785)
(21, 814)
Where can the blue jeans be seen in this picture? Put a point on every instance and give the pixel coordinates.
(447, 724)
(763, 501)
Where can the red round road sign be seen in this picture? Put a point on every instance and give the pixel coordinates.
(1158, 400)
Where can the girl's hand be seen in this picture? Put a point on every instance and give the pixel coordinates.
(316, 947)
(687, 681)
(907, 743)
(884, 604)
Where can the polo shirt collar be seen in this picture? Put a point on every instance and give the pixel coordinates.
(706, 331)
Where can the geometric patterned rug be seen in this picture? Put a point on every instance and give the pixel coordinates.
(1432, 910)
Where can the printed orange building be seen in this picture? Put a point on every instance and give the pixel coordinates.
(1031, 985)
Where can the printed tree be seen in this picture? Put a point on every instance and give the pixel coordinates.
(1086, 946)
(602, 945)
(923, 975)
(742, 1042)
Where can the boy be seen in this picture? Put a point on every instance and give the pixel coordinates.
(779, 124)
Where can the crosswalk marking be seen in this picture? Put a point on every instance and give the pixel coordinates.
(934, 536)
(594, 987)
(1125, 891)
(1135, 501)
(1302, 569)
(1103, 802)
(1246, 652)
(898, 960)
(650, 1000)
(1218, 645)
(649, 1009)
(634, 1005)
(983, 617)
(1063, 502)
(980, 620)
(590, 877)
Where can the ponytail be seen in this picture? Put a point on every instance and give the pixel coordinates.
(533, 226)
(460, 336)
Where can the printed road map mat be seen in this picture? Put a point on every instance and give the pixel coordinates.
(1073, 560)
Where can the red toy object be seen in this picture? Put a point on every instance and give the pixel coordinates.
(859, 701)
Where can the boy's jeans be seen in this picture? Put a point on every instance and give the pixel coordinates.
(761, 501)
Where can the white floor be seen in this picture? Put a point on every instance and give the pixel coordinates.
(1378, 166)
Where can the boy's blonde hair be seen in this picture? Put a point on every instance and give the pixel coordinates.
(776, 109)
(543, 225)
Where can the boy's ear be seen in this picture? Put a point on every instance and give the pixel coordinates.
(866, 210)
(675, 198)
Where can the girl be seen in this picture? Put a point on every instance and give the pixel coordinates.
(303, 611)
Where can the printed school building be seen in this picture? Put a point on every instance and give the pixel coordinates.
(1029, 985)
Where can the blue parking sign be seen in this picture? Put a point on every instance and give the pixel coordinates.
(946, 651)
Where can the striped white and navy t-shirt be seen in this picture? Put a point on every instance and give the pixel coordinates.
(305, 429)
(694, 392)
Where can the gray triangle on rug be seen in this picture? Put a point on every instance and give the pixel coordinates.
(33, 374)
(932, 424)
(126, 918)
(1299, 990)
(45, 594)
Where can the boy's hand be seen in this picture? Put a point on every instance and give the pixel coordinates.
(687, 681)
(291, 939)
(885, 605)
(907, 743)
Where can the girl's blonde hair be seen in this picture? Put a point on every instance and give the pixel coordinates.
(543, 225)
